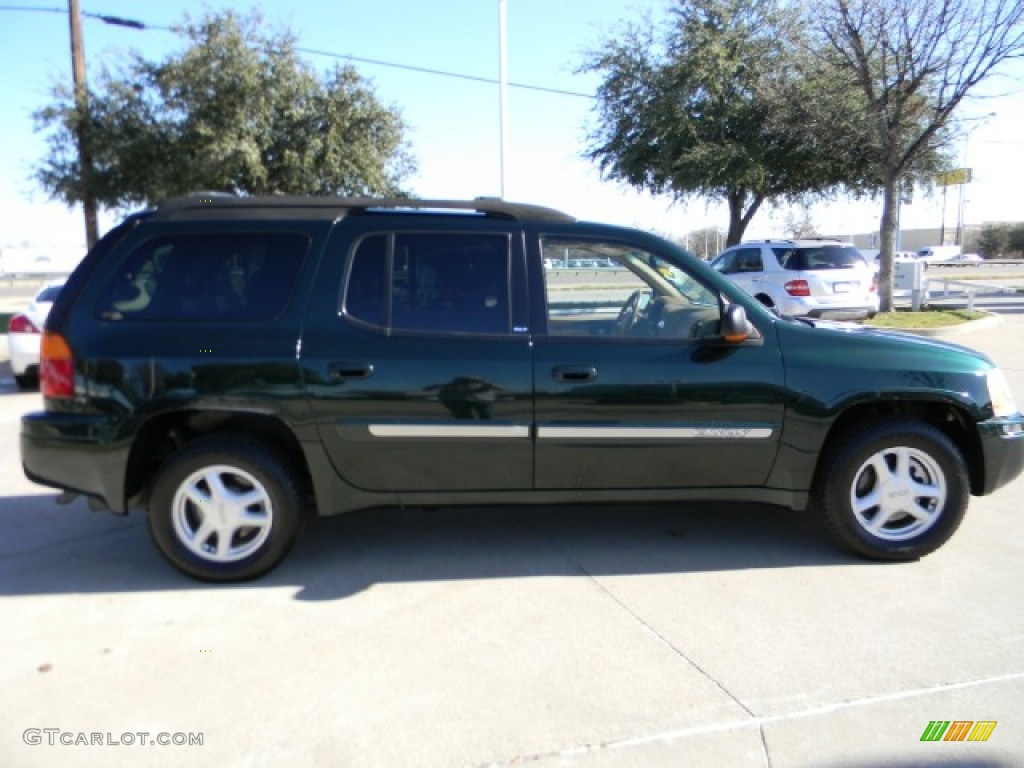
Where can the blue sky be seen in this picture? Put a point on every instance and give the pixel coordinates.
(453, 124)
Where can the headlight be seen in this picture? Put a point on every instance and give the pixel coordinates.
(999, 392)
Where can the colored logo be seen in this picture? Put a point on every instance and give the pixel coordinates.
(958, 730)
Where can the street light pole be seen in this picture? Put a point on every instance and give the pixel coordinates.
(82, 127)
(502, 96)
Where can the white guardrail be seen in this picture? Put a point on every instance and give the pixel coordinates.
(970, 288)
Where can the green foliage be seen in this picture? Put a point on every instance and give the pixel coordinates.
(1015, 239)
(235, 110)
(706, 109)
(913, 63)
(992, 241)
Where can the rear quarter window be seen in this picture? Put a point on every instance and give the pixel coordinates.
(222, 276)
(819, 257)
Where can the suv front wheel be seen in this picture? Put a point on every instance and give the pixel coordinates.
(225, 509)
(893, 490)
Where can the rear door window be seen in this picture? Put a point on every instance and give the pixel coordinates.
(430, 282)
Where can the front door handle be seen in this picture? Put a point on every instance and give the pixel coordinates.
(343, 370)
(574, 373)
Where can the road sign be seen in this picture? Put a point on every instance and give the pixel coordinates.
(954, 177)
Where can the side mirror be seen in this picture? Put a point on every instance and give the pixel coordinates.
(735, 327)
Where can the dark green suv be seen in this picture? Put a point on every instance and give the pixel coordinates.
(229, 364)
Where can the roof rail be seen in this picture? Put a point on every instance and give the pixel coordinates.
(487, 206)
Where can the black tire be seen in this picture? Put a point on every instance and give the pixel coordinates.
(903, 525)
(250, 481)
(27, 381)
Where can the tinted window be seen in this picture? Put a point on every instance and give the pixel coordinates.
(444, 283)
(237, 276)
(366, 297)
(819, 257)
(748, 260)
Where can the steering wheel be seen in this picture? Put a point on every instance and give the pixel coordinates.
(629, 313)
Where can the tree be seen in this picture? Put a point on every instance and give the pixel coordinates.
(236, 110)
(1015, 239)
(705, 110)
(800, 224)
(992, 241)
(705, 242)
(913, 61)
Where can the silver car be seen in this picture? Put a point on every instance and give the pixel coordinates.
(804, 278)
(24, 333)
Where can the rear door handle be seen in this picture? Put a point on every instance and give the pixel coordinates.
(348, 369)
(574, 373)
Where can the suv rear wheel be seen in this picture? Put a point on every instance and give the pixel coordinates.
(893, 490)
(225, 509)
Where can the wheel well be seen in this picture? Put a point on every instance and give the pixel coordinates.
(164, 435)
(949, 420)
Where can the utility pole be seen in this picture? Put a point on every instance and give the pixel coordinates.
(82, 127)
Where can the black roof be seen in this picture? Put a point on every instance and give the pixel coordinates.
(194, 204)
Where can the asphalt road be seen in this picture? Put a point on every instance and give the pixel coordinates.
(703, 634)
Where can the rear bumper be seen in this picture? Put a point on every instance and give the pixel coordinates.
(841, 313)
(852, 309)
(1002, 444)
(75, 452)
(23, 349)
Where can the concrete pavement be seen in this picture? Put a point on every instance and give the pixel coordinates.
(703, 634)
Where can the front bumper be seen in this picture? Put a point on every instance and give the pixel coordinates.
(76, 452)
(1002, 445)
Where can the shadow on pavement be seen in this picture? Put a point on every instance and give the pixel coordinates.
(50, 549)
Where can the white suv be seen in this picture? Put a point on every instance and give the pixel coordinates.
(803, 278)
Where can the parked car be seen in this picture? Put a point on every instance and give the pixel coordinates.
(803, 278)
(939, 254)
(964, 260)
(24, 331)
(229, 365)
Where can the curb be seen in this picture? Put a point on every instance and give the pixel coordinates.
(992, 320)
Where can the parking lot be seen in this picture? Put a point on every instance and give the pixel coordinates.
(700, 634)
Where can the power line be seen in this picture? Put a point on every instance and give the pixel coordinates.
(443, 73)
(132, 23)
(116, 21)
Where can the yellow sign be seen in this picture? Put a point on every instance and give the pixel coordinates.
(954, 177)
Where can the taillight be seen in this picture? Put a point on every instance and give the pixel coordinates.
(797, 288)
(56, 366)
(21, 324)
(874, 284)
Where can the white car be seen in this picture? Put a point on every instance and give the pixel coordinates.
(824, 279)
(964, 259)
(24, 332)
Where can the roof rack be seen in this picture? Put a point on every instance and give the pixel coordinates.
(488, 206)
